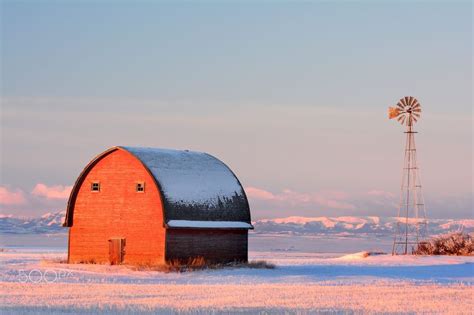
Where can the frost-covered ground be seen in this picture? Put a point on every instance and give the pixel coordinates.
(32, 282)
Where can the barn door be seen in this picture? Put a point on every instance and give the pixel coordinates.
(116, 250)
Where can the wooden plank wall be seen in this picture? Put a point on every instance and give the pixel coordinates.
(118, 211)
(214, 245)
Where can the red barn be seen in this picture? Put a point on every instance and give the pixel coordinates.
(149, 206)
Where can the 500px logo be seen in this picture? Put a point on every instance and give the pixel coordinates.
(45, 276)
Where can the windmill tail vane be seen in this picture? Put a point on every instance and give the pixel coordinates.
(393, 112)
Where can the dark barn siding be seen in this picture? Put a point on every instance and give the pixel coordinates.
(214, 245)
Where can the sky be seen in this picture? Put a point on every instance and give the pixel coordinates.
(293, 96)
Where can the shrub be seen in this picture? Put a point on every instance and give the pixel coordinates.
(458, 243)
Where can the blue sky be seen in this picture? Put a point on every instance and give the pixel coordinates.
(293, 96)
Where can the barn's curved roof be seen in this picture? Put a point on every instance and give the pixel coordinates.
(197, 189)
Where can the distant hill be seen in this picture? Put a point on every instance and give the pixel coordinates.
(347, 226)
(340, 226)
(47, 223)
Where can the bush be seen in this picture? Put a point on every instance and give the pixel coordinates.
(459, 244)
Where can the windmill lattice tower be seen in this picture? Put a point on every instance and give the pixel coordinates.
(411, 219)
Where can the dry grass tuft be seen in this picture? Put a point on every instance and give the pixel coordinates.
(88, 262)
(199, 263)
(176, 265)
(51, 261)
(457, 244)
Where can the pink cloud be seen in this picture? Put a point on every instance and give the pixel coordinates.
(258, 193)
(52, 192)
(380, 193)
(327, 198)
(10, 197)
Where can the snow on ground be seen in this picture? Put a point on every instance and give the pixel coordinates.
(237, 298)
(33, 281)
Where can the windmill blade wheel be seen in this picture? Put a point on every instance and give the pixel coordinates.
(410, 110)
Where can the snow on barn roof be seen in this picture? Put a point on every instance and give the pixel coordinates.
(195, 186)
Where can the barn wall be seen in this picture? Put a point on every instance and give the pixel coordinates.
(117, 211)
(213, 245)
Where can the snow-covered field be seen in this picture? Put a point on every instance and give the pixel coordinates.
(32, 281)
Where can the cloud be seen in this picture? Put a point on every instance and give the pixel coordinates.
(52, 192)
(375, 202)
(10, 197)
(327, 198)
(257, 193)
(380, 193)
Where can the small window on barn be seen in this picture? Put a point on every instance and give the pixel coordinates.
(140, 187)
(95, 186)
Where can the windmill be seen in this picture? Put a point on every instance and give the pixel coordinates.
(411, 219)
